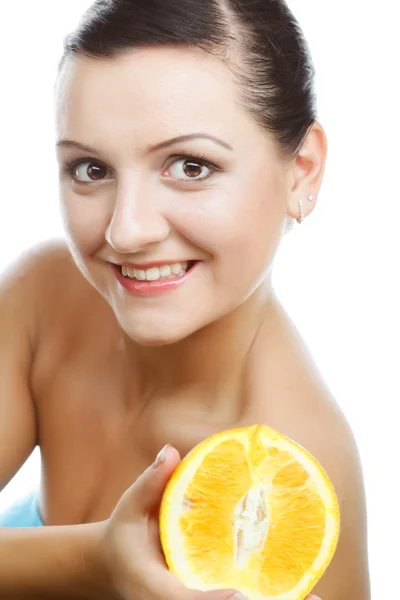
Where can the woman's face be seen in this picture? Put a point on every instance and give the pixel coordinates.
(137, 199)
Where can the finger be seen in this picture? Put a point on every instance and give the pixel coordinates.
(216, 595)
(164, 586)
(148, 489)
(167, 586)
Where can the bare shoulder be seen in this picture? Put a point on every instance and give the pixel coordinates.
(22, 279)
(42, 263)
(48, 292)
(33, 264)
(48, 278)
(325, 432)
(335, 447)
(45, 250)
(298, 403)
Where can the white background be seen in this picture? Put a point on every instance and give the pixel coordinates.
(337, 274)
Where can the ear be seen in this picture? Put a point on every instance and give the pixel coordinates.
(307, 171)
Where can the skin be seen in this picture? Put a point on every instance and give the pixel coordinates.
(114, 377)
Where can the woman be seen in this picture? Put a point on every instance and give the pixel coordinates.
(188, 143)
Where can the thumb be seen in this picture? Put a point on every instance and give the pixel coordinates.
(146, 493)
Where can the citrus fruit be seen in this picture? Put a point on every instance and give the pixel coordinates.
(249, 509)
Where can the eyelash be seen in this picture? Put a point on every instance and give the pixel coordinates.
(69, 166)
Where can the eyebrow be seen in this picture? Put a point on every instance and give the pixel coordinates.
(149, 149)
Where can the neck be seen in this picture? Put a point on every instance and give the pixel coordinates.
(209, 368)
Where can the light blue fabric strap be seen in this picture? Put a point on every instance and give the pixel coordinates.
(23, 513)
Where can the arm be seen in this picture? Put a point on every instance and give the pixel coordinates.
(41, 563)
(17, 413)
(44, 560)
(20, 286)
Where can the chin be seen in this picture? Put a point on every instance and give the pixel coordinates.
(158, 334)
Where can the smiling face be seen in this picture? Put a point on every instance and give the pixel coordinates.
(131, 199)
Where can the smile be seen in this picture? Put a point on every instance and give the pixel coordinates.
(166, 271)
(155, 279)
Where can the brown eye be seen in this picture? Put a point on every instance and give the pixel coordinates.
(191, 169)
(88, 171)
(96, 171)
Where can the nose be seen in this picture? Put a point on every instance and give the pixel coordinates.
(135, 223)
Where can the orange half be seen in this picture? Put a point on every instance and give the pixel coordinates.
(252, 510)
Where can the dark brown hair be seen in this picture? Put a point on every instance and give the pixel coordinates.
(260, 41)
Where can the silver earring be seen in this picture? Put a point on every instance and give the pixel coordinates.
(310, 198)
(301, 212)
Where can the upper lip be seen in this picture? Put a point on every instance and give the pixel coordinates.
(158, 263)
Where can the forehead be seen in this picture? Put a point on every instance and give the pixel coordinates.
(151, 88)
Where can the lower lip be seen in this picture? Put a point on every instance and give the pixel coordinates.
(151, 288)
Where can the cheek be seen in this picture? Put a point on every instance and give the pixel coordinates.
(247, 250)
(257, 229)
(85, 220)
(239, 226)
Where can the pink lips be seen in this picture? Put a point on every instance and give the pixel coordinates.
(150, 288)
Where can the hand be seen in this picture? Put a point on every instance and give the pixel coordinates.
(132, 564)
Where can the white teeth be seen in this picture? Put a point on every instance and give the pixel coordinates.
(141, 275)
(165, 271)
(176, 268)
(155, 273)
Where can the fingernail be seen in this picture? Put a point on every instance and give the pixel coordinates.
(313, 597)
(161, 456)
(240, 596)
